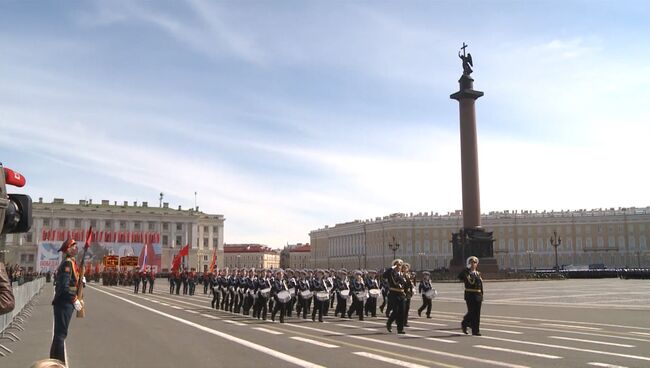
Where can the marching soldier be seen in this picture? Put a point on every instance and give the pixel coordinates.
(152, 278)
(424, 287)
(357, 286)
(396, 296)
(263, 283)
(473, 296)
(144, 277)
(291, 283)
(65, 298)
(136, 281)
(341, 284)
(408, 290)
(371, 284)
(249, 296)
(223, 288)
(191, 281)
(329, 286)
(206, 282)
(184, 281)
(303, 303)
(319, 306)
(279, 285)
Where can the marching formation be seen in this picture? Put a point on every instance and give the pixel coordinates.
(308, 293)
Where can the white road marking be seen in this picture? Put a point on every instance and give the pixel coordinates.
(502, 331)
(315, 342)
(357, 327)
(175, 307)
(571, 326)
(388, 360)
(272, 332)
(234, 322)
(641, 333)
(248, 344)
(592, 341)
(604, 365)
(403, 346)
(522, 352)
(431, 338)
(191, 311)
(209, 316)
(568, 348)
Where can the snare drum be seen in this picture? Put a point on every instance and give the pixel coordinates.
(360, 295)
(265, 292)
(305, 294)
(284, 296)
(292, 292)
(431, 294)
(322, 295)
(374, 293)
(345, 294)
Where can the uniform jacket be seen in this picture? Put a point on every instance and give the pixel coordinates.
(67, 277)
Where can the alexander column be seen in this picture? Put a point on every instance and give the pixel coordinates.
(471, 239)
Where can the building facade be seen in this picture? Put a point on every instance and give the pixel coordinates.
(300, 256)
(120, 229)
(613, 237)
(250, 256)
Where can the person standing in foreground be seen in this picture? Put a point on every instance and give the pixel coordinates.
(7, 300)
(65, 298)
(473, 296)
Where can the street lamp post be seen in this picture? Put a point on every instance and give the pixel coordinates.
(530, 259)
(555, 242)
(394, 246)
(421, 254)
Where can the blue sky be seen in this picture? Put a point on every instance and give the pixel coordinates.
(286, 116)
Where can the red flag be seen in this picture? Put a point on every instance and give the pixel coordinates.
(214, 259)
(177, 260)
(89, 238)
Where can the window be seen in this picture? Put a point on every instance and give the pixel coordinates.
(179, 226)
(30, 258)
(215, 229)
(46, 222)
(122, 225)
(215, 242)
(93, 223)
(152, 226)
(29, 237)
(108, 224)
(165, 240)
(206, 242)
(77, 223)
(165, 226)
(206, 228)
(179, 240)
(62, 222)
(136, 225)
(205, 258)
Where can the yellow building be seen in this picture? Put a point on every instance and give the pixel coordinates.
(613, 237)
(250, 256)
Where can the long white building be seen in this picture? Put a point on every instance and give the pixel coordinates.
(614, 237)
(119, 228)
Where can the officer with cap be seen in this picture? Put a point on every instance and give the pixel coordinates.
(65, 298)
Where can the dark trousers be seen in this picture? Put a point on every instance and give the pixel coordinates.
(216, 294)
(371, 307)
(150, 286)
(356, 307)
(144, 286)
(319, 307)
(426, 303)
(248, 303)
(62, 316)
(260, 308)
(473, 317)
(185, 287)
(224, 299)
(340, 305)
(398, 303)
(136, 286)
(171, 287)
(303, 307)
(290, 305)
(407, 308)
(205, 288)
(282, 307)
(178, 287)
(384, 298)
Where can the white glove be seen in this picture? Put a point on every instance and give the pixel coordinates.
(78, 305)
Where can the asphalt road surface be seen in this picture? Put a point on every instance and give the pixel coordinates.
(573, 323)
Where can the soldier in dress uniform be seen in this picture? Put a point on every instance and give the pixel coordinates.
(263, 283)
(408, 290)
(341, 283)
(136, 281)
(279, 284)
(291, 283)
(191, 281)
(384, 293)
(144, 277)
(223, 288)
(65, 298)
(396, 295)
(371, 284)
(171, 282)
(214, 287)
(185, 282)
(317, 285)
(357, 286)
(152, 278)
(473, 296)
(240, 290)
(249, 297)
(328, 280)
(424, 287)
(303, 303)
(206, 282)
